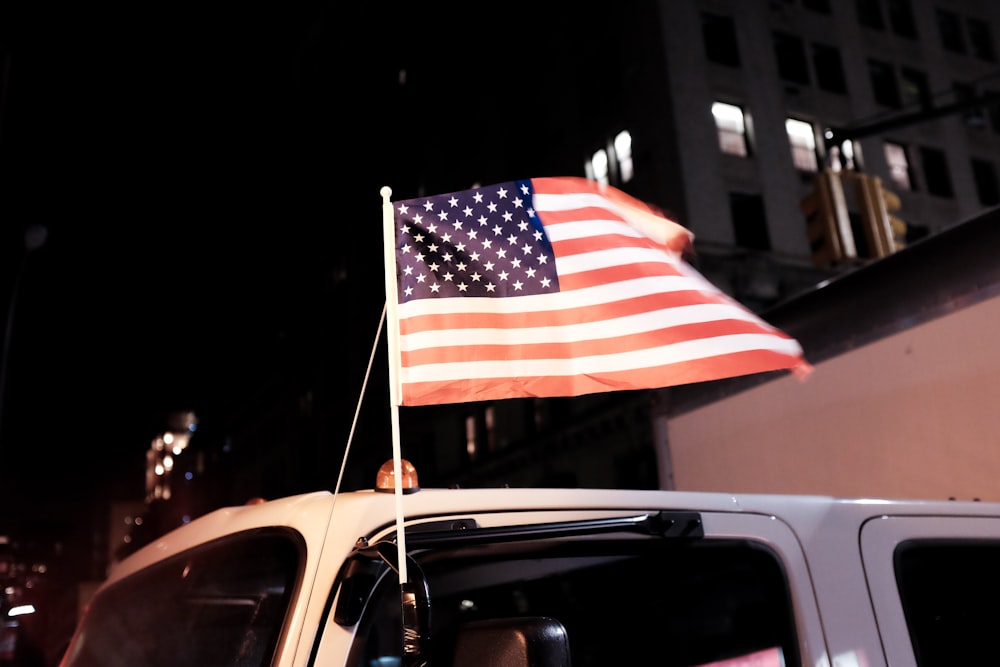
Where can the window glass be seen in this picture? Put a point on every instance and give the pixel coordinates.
(949, 589)
(936, 174)
(731, 127)
(790, 53)
(899, 165)
(619, 601)
(883, 80)
(901, 18)
(870, 14)
(719, 33)
(222, 604)
(803, 142)
(829, 68)
(749, 221)
(986, 182)
(914, 88)
(981, 40)
(950, 30)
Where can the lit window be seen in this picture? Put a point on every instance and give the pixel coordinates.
(899, 166)
(803, 142)
(731, 126)
(623, 151)
(597, 168)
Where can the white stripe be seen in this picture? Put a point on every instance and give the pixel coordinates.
(568, 202)
(603, 259)
(535, 303)
(624, 361)
(580, 331)
(580, 229)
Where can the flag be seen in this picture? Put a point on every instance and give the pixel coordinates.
(559, 287)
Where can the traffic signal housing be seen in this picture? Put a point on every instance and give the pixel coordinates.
(828, 222)
(885, 232)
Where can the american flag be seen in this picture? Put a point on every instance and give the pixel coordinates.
(560, 287)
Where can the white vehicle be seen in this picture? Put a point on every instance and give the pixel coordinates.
(558, 577)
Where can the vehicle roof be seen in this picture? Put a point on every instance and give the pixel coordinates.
(360, 513)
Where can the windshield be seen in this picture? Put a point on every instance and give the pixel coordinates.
(224, 603)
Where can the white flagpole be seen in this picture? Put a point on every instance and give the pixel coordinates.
(392, 338)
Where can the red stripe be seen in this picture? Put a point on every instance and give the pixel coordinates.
(554, 318)
(701, 370)
(584, 244)
(587, 348)
(614, 274)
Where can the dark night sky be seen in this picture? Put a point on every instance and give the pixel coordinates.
(206, 177)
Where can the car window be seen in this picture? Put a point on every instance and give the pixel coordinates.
(688, 602)
(221, 604)
(948, 589)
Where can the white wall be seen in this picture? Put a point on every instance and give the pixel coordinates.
(916, 414)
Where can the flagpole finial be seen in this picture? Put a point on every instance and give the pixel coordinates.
(386, 192)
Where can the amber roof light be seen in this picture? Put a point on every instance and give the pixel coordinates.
(385, 480)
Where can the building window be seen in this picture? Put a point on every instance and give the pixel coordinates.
(731, 126)
(950, 29)
(981, 40)
(597, 168)
(884, 84)
(623, 154)
(901, 18)
(973, 117)
(749, 221)
(719, 33)
(829, 68)
(914, 88)
(899, 165)
(612, 165)
(985, 175)
(870, 14)
(936, 174)
(803, 141)
(791, 56)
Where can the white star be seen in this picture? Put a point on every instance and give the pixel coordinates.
(478, 197)
(428, 206)
(490, 287)
(453, 201)
(403, 209)
(518, 202)
(462, 287)
(518, 285)
(545, 282)
(502, 193)
(435, 288)
(475, 277)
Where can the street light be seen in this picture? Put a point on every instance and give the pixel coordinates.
(34, 238)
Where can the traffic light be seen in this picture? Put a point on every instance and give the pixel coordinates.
(885, 232)
(828, 223)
